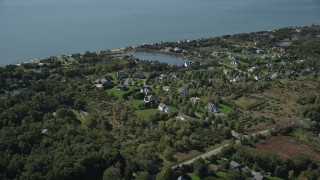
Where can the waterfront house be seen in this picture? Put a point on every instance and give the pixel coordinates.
(177, 49)
(188, 64)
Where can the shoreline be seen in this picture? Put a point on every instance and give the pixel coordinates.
(123, 49)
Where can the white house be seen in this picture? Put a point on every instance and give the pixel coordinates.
(164, 108)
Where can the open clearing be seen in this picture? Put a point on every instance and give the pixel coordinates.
(287, 146)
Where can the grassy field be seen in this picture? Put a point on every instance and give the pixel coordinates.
(116, 92)
(225, 109)
(193, 176)
(135, 103)
(147, 112)
(221, 174)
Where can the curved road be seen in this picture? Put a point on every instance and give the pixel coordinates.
(219, 149)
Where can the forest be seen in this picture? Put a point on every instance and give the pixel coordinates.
(99, 115)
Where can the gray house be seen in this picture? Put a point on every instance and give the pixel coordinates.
(212, 108)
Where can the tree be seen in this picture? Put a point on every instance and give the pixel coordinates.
(234, 174)
(112, 173)
(199, 167)
(168, 154)
(143, 176)
(166, 174)
(281, 172)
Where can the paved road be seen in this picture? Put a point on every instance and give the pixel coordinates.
(217, 150)
(203, 156)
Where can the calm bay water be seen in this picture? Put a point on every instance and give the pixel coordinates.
(161, 57)
(41, 28)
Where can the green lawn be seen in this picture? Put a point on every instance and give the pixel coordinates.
(116, 92)
(273, 178)
(173, 109)
(147, 112)
(221, 174)
(225, 109)
(193, 176)
(113, 75)
(135, 103)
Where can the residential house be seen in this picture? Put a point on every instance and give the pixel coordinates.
(44, 131)
(232, 56)
(183, 117)
(11, 80)
(250, 58)
(150, 98)
(256, 175)
(275, 76)
(183, 90)
(252, 69)
(195, 100)
(192, 82)
(174, 74)
(103, 81)
(36, 71)
(162, 76)
(237, 79)
(146, 91)
(177, 49)
(236, 165)
(265, 57)
(260, 51)
(166, 88)
(168, 49)
(216, 53)
(138, 75)
(15, 92)
(257, 78)
(121, 75)
(99, 86)
(212, 108)
(181, 178)
(270, 65)
(120, 87)
(245, 51)
(73, 62)
(234, 62)
(188, 64)
(164, 108)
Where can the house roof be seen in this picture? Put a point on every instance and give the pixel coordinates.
(161, 105)
(235, 164)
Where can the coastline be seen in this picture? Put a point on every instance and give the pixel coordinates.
(133, 47)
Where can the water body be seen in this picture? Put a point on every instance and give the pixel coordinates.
(161, 57)
(41, 28)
